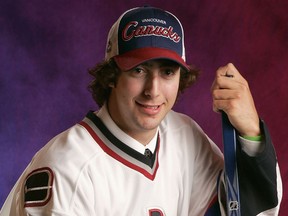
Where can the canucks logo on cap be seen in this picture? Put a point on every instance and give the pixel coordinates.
(143, 34)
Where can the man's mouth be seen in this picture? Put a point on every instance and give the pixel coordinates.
(149, 109)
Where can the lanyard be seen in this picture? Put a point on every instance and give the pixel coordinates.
(230, 164)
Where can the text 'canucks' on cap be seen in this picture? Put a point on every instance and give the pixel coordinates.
(145, 33)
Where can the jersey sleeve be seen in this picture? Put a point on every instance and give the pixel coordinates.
(260, 184)
(259, 179)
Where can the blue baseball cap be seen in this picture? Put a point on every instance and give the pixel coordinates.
(146, 33)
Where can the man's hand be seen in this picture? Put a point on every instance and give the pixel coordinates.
(231, 94)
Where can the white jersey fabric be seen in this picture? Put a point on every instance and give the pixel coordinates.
(91, 176)
(94, 168)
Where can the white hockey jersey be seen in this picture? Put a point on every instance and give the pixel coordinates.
(94, 168)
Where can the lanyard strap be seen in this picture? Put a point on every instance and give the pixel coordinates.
(230, 164)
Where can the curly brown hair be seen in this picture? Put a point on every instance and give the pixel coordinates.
(106, 74)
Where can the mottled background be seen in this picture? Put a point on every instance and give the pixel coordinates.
(47, 46)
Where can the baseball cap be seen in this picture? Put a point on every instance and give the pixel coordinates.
(146, 33)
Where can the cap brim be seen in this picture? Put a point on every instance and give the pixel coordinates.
(133, 58)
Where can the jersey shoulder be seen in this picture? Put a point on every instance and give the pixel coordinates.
(54, 171)
(181, 128)
(73, 147)
(175, 121)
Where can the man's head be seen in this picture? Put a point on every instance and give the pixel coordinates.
(140, 35)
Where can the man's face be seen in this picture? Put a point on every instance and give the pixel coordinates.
(143, 96)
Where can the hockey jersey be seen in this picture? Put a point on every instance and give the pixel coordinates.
(94, 168)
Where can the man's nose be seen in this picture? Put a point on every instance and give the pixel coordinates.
(152, 86)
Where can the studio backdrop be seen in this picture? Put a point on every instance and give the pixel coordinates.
(47, 47)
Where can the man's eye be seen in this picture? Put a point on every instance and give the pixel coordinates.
(169, 72)
(138, 70)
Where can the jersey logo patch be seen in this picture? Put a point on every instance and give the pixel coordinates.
(38, 187)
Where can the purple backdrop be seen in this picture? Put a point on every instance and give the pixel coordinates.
(47, 46)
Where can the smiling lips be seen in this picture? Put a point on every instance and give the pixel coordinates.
(149, 109)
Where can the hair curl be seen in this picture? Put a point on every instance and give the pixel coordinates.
(106, 74)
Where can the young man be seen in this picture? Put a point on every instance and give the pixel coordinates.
(135, 156)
